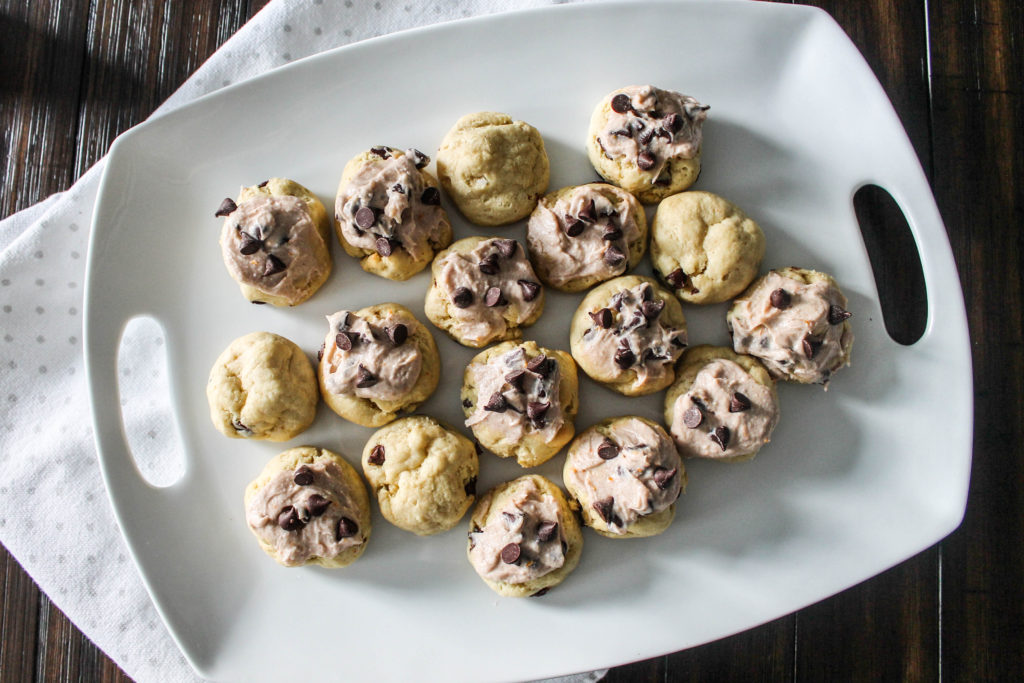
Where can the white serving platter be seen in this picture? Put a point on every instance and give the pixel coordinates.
(856, 479)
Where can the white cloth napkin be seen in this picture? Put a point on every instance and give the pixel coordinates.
(55, 518)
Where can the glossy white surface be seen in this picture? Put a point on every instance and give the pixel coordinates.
(856, 479)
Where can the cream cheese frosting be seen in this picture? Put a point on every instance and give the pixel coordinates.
(371, 360)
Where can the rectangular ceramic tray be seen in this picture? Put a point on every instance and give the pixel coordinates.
(856, 479)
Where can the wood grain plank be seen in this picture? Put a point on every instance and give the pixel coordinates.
(17, 621)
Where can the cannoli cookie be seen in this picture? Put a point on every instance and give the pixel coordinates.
(627, 335)
(723, 406)
(520, 400)
(422, 473)
(795, 321)
(585, 234)
(377, 362)
(626, 474)
(524, 537)
(705, 247)
(276, 242)
(388, 212)
(262, 387)
(647, 140)
(493, 167)
(309, 506)
(483, 290)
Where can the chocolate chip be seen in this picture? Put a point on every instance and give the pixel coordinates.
(647, 293)
(672, 123)
(602, 318)
(317, 505)
(607, 450)
(646, 136)
(540, 365)
(431, 196)
(652, 309)
(589, 212)
(645, 161)
(837, 315)
(546, 531)
(780, 299)
(677, 278)
(346, 529)
(466, 403)
(365, 378)
(304, 476)
(542, 591)
(289, 520)
(510, 553)
(535, 411)
(259, 303)
(506, 247)
(489, 265)
(621, 132)
(343, 341)
(382, 152)
(320, 353)
(611, 234)
(530, 289)
(738, 403)
(573, 226)
(365, 217)
(397, 188)
(621, 103)
(420, 159)
(376, 456)
(663, 476)
(508, 518)
(493, 297)
(604, 508)
(274, 266)
(721, 436)
(470, 487)
(263, 184)
(693, 417)
(613, 256)
(810, 346)
(226, 207)
(241, 428)
(397, 334)
(250, 245)
(516, 379)
(384, 246)
(662, 133)
(497, 403)
(625, 358)
(462, 297)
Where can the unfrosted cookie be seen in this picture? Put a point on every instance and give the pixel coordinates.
(520, 400)
(626, 474)
(723, 406)
(705, 247)
(524, 537)
(276, 242)
(647, 140)
(423, 474)
(795, 321)
(627, 335)
(493, 167)
(262, 387)
(389, 214)
(377, 362)
(309, 506)
(483, 290)
(585, 234)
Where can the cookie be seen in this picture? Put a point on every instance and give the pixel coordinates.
(422, 473)
(627, 335)
(483, 290)
(309, 506)
(520, 400)
(723, 405)
(524, 537)
(705, 247)
(276, 242)
(262, 387)
(647, 140)
(493, 167)
(582, 235)
(795, 322)
(626, 475)
(376, 363)
(388, 212)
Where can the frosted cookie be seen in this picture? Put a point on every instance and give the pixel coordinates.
(422, 473)
(520, 400)
(627, 335)
(579, 236)
(276, 242)
(626, 474)
(483, 290)
(795, 321)
(705, 247)
(647, 140)
(309, 506)
(389, 214)
(377, 362)
(524, 537)
(493, 167)
(723, 406)
(262, 387)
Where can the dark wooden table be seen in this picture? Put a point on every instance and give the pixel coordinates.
(76, 73)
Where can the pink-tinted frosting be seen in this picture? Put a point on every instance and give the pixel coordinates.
(509, 387)
(394, 367)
